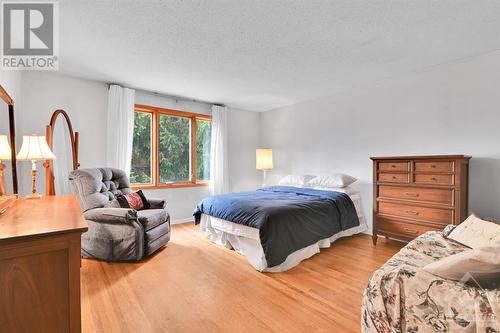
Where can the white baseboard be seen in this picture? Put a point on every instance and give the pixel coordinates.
(179, 221)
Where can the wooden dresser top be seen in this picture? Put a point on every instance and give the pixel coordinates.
(428, 157)
(41, 217)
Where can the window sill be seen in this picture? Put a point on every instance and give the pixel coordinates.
(167, 186)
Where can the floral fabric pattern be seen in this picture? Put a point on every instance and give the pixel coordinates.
(403, 298)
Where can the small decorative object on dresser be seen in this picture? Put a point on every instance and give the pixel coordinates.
(415, 194)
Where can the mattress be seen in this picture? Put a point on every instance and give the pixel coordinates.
(246, 241)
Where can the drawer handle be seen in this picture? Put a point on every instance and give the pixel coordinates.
(411, 231)
(412, 212)
(433, 165)
(413, 194)
(434, 179)
(394, 177)
(394, 166)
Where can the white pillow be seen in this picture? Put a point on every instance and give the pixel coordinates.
(475, 233)
(482, 264)
(295, 180)
(347, 190)
(332, 181)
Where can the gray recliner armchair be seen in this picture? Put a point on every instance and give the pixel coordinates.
(117, 234)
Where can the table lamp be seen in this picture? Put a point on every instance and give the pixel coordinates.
(264, 161)
(34, 148)
(5, 154)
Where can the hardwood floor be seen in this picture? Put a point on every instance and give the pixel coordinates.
(193, 285)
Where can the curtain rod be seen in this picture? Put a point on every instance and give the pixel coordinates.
(176, 98)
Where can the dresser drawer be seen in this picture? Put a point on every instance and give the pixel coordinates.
(436, 215)
(434, 166)
(433, 195)
(434, 179)
(394, 166)
(394, 177)
(405, 229)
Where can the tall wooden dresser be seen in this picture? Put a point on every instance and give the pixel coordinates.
(40, 265)
(415, 194)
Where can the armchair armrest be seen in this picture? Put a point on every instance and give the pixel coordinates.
(157, 204)
(111, 215)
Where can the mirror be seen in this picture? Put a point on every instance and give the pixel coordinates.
(64, 144)
(7, 127)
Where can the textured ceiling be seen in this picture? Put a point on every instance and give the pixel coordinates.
(259, 55)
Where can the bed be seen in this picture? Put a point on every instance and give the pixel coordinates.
(402, 297)
(277, 227)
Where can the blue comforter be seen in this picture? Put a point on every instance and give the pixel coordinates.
(288, 218)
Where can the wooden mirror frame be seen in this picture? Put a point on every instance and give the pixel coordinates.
(12, 136)
(49, 134)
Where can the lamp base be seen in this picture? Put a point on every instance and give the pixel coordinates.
(34, 196)
(264, 177)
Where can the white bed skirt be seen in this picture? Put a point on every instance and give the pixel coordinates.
(245, 240)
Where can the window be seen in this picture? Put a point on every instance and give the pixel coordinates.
(174, 149)
(203, 140)
(170, 149)
(141, 171)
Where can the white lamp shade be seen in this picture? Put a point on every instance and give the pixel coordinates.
(264, 158)
(5, 152)
(34, 148)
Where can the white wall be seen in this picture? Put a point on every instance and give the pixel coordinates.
(86, 103)
(451, 110)
(244, 135)
(11, 81)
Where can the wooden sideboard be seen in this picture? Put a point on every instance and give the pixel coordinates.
(40, 265)
(415, 194)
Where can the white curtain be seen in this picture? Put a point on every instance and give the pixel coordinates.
(120, 128)
(63, 164)
(219, 175)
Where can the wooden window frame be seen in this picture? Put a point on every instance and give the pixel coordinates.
(156, 112)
